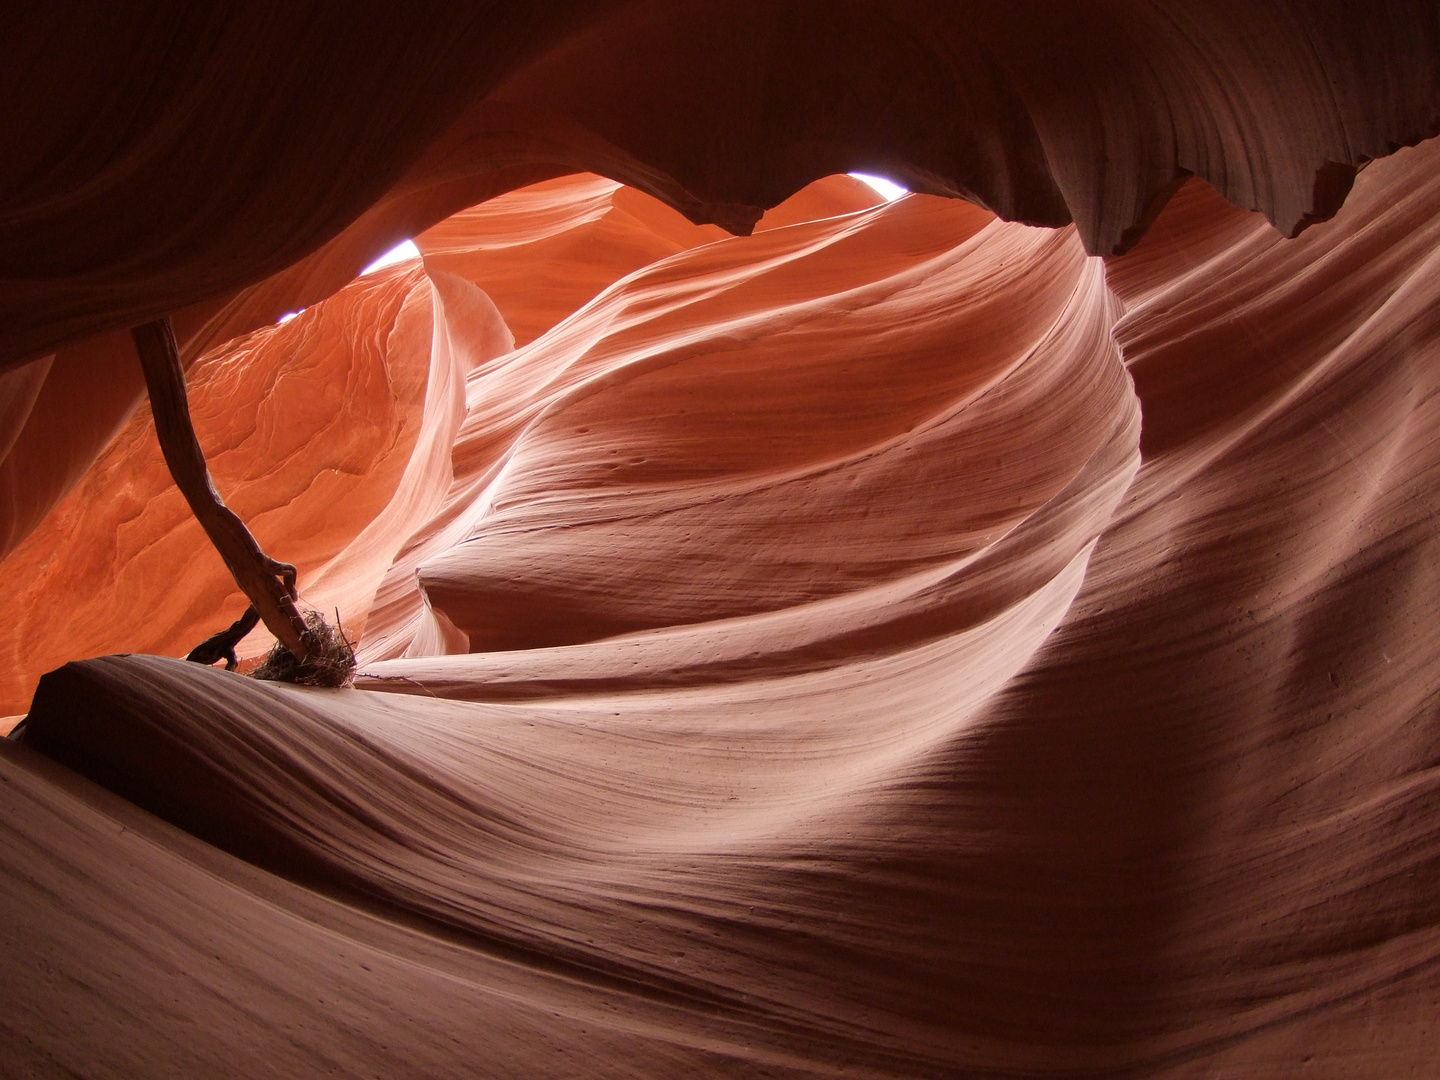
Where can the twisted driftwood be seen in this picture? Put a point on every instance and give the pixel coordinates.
(221, 646)
(269, 584)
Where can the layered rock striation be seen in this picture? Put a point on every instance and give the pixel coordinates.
(895, 642)
(911, 640)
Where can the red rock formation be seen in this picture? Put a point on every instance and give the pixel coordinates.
(542, 252)
(745, 428)
(308, 444)
(330, 434)
(878, 813)
(229, 199)
(1011, 663)
(188, 181)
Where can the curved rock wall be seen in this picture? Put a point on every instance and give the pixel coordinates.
(330, 434)
(898, 643)
(159, 158)
(226, 167)
(977, 657)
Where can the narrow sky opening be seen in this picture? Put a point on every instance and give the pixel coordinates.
(288, 316)
(887, 189)
(401, 252)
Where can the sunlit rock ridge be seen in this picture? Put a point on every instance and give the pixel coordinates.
(800, 635)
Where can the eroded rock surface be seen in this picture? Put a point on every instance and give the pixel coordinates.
(897, 642)
(169, 162)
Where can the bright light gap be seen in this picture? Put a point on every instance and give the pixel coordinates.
(401, 252)
(886, 189)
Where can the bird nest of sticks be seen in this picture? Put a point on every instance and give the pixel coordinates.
(331, 661)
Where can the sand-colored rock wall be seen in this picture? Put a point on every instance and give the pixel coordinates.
(913, 640)
(976, 658)
(156, 161)
(331, 434)
(226, 167)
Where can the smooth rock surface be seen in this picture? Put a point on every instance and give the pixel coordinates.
(161, 159)
(1103, 746)
(330, 434)
(949, 638)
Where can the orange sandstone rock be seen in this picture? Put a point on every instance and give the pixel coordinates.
(1131, 776)
(981, 659)
(331, 435)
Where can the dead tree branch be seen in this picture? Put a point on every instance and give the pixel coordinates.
(269, 584)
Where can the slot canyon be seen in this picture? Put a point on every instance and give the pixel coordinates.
(988, 632)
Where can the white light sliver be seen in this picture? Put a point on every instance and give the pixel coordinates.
(401, 252)
(887, 189)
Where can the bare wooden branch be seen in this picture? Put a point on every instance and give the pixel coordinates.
(269, 584)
